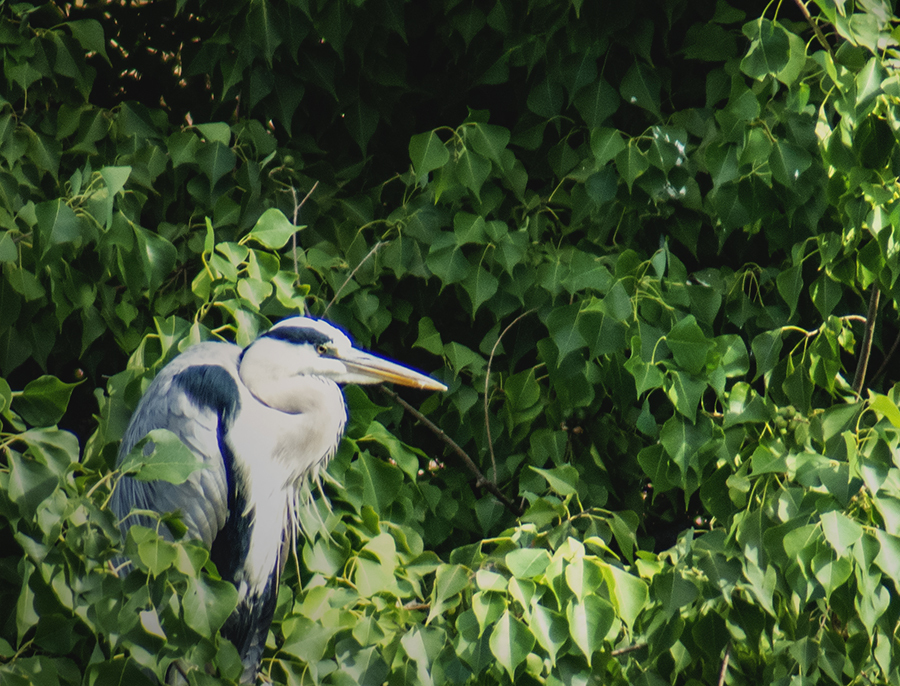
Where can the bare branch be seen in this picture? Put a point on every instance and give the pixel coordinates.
(297, 207)
(487, 378)
(815, 27)
(887, 358)
(724, 670)
(374, 249)
(628, 649)
(415, 605)
(480, 481)
(871, 316)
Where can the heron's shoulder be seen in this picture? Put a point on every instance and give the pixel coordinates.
(207, 375)
(209, 352)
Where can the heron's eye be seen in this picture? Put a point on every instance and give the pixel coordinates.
(321, 348)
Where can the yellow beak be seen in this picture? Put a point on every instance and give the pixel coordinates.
(366, 368)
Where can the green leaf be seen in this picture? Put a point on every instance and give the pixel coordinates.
(646, 376)
(472, 170)
(89, 33)
(272, 230)
(769, 50)
(365, 667)
(788, 162)
(265, 27)
(766, 350)
(630, 593)
(589, 621)
(641, 86)
(734, 359)
(511, 642)
(481, 286)
(158, 257)
(596, 103)
(790, 285)
(549, 628)
(868, 82)
(886, 407)
(685, 393)
(43, 402)
(831, 572)
(684, 442)
(57, 223)
(380, 482)
(429, 338)
(488, 140)
(631, 164)
(157, 554)
(583, 576)
(562, 480)
(826, 294)
(361, 120)
(215, 132)
(563, 327)
(449, 581)
(215, 160)
(427, 153)
(306, 639)
(30, 482)
(797, 385)
(527, 563)
(26, 613)
(606, 144)
(371, 577)
(115, 178)
(207, 604)
(8, 250)
(446, 260)
(488, 607)
(161, 456)
(5, 395)
(546, 98)
(840, 531)
(689, 346)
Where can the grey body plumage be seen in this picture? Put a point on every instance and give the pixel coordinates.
(261, 418)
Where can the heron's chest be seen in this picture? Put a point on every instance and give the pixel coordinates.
(272, 451)
(279, 447)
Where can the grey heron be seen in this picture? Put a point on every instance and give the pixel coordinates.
(260, 418)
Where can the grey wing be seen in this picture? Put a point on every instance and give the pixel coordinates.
(195, 397)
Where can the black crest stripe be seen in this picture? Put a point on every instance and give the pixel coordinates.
(212, 387)
(298, 335)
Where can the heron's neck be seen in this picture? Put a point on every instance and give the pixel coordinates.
(276, 385)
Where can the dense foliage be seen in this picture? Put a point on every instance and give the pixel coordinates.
(642, 243)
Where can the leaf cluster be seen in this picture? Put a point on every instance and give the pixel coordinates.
(638, 247)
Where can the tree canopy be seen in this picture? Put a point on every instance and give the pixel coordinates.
(651, 247)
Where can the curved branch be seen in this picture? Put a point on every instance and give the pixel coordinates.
(480, 481)
(871, 316)
(815, 27)
(297, 207)
(487, 378)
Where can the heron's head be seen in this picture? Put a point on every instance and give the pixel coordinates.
(306, 347)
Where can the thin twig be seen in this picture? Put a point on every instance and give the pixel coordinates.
(628, 649)
(815, 27)
(480, 481)
(871, 316)
(724, 670)
(374, 249)
(487, 378)
(297, 207)
(887, 358)
(416, 605)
